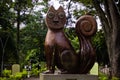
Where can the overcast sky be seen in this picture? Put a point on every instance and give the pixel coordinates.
(56, 5)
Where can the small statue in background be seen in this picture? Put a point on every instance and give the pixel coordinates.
(58, 49)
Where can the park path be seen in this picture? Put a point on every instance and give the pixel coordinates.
(32, 78)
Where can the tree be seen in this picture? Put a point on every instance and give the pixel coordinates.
(109, 14)
(32, 38)
(21, 7)
(8, 53)
(7, 43)
(110, 18)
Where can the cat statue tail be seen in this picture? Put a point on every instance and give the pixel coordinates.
(86, 27)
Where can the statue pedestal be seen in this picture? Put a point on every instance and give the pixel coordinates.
(68, 77)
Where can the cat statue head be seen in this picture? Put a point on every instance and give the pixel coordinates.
(55, 19)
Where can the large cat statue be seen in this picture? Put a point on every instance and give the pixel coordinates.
(58, 49)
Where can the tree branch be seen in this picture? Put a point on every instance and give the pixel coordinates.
(114, 12)
(102, 16)
(69, 15)
(117, 2)
(107, 11)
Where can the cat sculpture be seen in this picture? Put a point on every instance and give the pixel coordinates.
(58, 49)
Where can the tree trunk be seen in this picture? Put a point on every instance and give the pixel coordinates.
(110, 18)
(3, 53)
(18, 30)
(115, 41)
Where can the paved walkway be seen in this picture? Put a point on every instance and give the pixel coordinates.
(32, 78)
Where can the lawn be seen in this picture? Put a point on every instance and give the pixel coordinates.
(94, 70)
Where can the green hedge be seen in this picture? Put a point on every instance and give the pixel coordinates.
(18, 76)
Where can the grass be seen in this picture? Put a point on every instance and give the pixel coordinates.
(94, 70)
(103, 76)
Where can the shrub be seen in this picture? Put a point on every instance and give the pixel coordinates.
(34, 72)
(6, 73)
(18, 76)
(2, 78)
(24, 73)
(43, 69)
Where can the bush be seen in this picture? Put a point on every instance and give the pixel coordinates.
(6, 73)
(35, 72)
(18, 76)
(2, 78)
(43, 69)
(24, 73)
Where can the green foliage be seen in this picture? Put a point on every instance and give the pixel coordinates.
(78, 13)
(7, 20)
(22, 5)
(31, 54)
(87, 8)
(103, 76)
(99, 39)
(18, 76)
(101, 48)
(70, 32)
(115, 78)
(75, 43)
(1, 78)
(24, 73)
(8, 46)
(43, 67)
(35, 72)
(32, 38)
(6, 73)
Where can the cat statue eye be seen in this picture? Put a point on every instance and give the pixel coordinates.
(50, 14)
(61, 15)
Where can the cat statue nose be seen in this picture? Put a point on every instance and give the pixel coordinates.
(56, 20)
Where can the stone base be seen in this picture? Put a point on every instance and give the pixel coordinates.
(68, 77)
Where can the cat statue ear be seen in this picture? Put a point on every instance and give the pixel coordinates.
(51, 8)
(60, 8)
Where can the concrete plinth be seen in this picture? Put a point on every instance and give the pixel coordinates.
(68, 77)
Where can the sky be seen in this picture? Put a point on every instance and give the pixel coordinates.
(56, 5)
